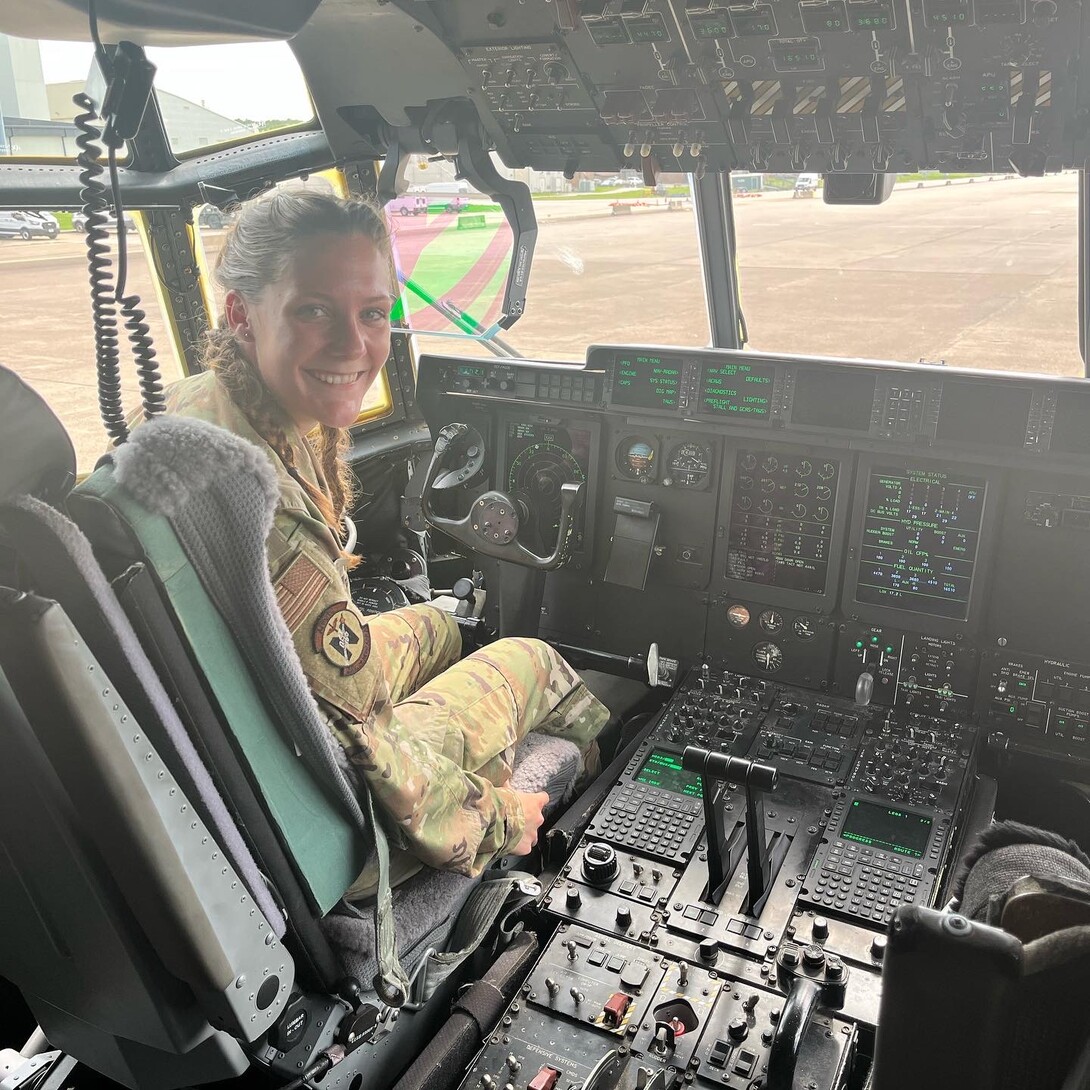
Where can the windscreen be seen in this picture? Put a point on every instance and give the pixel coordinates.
(616, 260)
(967, 270)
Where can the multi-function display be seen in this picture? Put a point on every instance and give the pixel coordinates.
(781, 519)
(921, 530)
(663, 769)
(736, 389)
(887, 828)
(977, 412)
(646, 382)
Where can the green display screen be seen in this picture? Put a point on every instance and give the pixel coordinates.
(870, 17)
(736, 389)
(824, 18)
(646, 382)
(610, 31)
(948, 13)
(755, 22)
(710, 24)
(663, 769)
(648, 29)
(796, 54)
(887, 828)
(989, 12)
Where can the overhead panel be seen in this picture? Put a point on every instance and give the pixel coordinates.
(816, 85)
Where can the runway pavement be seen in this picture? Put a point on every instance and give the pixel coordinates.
(982, 275)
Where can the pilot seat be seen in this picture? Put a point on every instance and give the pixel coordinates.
(178, 827)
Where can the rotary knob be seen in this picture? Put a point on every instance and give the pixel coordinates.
(599, 864)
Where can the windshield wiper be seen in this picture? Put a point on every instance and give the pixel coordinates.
(465, 322)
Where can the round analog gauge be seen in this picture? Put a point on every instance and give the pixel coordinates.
(799, 510)
(770, 464)
(771, 620)
(821, 514)
(768, 484)
(748, 461)
(826, 471)
(805, 468)
(804, 627)
(745, 483)
(802, 490)
(744, 503)
(768, 657)
(636, 458)
(690, 464)
(738, 615)
(824, 492)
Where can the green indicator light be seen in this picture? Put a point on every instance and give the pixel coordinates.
(1014, 709)
(889, 650)
(858, 644)
(874, 639)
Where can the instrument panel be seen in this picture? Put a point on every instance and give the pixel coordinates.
(905, 538)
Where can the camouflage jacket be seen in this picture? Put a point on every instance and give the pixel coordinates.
(444, 816)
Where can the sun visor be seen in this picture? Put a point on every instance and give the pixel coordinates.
(36, 455)
(158, 22)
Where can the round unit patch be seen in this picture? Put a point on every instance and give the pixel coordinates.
(342, 638)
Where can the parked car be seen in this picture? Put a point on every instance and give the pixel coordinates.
(411, 204)
(79, 222)
(28, 224)
(213, 218)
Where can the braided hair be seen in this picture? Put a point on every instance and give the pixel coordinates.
(255, 254)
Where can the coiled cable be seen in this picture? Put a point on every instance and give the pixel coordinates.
(100, 270)
(139, 333)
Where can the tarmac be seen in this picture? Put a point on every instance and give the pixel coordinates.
(981, 275)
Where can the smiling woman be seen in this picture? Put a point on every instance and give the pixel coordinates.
(304, 335)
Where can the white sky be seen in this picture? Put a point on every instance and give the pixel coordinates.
(259, 81)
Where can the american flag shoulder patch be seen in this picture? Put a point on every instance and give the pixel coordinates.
(298, 589)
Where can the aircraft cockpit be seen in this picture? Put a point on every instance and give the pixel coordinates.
(836, 601)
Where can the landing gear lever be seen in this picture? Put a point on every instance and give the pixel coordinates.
(761, 864)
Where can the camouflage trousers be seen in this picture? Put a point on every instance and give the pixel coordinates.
(476, 711)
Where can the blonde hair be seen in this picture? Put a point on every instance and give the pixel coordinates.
(255, 254)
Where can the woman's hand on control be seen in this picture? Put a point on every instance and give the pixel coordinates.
(533, 806)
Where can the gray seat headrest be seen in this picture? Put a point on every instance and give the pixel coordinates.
(36, 455)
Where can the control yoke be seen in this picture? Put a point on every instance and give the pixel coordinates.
(453, 130)
(492, 524)
(724, 853)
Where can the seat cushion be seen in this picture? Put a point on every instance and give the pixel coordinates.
(426, 905)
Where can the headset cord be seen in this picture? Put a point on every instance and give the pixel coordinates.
(103, 310)
(143, 349)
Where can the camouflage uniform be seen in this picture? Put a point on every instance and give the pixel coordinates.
(433, 736)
